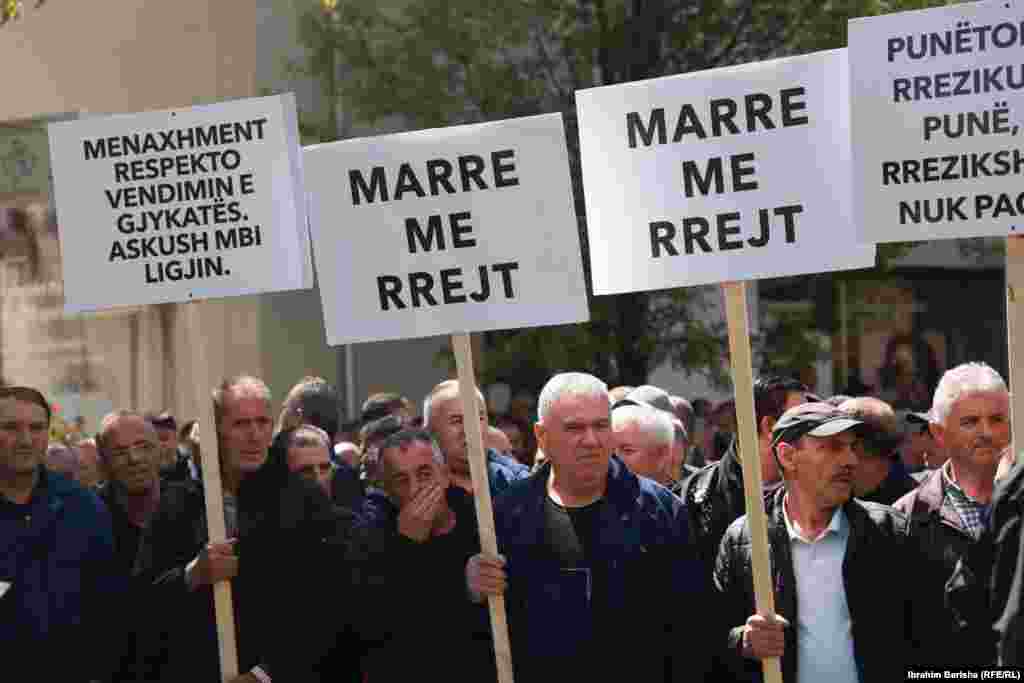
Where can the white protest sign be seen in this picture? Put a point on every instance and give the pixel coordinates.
(181, 205)
(937, 113)
(458, 229)
(721, 175)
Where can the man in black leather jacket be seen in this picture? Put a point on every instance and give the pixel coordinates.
(842, 614)
(714, 494)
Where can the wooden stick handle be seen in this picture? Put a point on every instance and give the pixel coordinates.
(1014, 333)
(482, 495)
(746, 424)
(213, 490)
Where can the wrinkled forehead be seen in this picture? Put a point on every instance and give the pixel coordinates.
(583, 407)
(246, 402)
(634, 434)
(131, 428)
(17, 409)
(988, 399)
(450, 401)
(409, 456)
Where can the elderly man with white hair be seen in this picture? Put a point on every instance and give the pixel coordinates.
(443, 418)
(602, 581)
(643, 438)
(950, 509)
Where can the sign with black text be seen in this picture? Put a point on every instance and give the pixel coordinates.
(937, 97)
(459, 229)
(181, 205)
(729, 174)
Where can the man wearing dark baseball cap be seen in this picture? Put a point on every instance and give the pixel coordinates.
(835, 620)
(811, 419)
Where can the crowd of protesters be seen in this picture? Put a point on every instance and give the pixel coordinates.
(624, 548)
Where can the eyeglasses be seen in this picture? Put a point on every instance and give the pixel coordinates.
(146, 448)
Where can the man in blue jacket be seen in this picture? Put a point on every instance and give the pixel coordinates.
(57, 565)
(601, 580)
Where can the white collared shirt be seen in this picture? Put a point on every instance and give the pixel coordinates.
(824, 636)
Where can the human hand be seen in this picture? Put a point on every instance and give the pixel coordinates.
(417, 518)
(215, 563)
(764, 636)
(485, 575)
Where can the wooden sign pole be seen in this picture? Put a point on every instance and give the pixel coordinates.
(213, 490)
(1015, 331)
(746, 425)
(482, 495)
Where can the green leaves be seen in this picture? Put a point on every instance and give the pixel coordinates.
(430, 63)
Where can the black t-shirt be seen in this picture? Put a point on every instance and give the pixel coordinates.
(572, 534)
(572, 537)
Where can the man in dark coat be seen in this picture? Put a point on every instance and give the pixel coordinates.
(949, 511)
(602, 581)
(128, 451)
(985, 591)
(836, 620)
(315, 402)
(881, 475)
(277, 526)
(714, 495)
(57, 565)
(408, 572)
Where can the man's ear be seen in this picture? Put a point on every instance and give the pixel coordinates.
(765, 426)
(785, 454)
(938, 433)
(541, 434)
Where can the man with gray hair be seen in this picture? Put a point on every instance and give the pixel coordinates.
(181, 565)
(949, 510)
(411, 603)
(643, 438)
(659, 399)
(598, 559)
(443, 418)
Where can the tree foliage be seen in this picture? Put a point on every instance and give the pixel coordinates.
(444, 62)
(14, 9)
